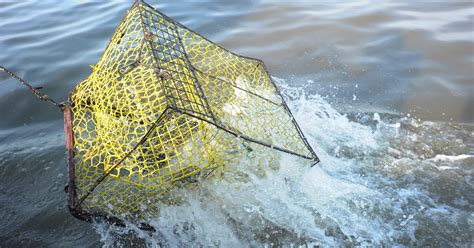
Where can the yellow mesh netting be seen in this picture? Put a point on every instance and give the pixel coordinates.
(165, 106)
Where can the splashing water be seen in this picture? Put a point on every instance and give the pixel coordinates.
(384, 179)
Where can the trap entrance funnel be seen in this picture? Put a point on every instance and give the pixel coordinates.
(165, 106)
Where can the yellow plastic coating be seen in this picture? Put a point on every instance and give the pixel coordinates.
(209, 108)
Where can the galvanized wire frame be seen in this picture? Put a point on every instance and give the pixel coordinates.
(197, 107)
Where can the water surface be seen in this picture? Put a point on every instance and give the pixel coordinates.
(383, 91)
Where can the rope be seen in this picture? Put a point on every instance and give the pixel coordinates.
(35, 90)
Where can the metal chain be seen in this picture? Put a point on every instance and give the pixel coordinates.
(35, 90)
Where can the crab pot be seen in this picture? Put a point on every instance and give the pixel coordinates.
(165, 107)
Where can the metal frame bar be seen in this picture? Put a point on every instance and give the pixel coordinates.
(259, 63)
(70, 188)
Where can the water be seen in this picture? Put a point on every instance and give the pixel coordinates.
(383, 91)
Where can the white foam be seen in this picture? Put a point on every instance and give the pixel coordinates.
(299, 202)
(441, 157)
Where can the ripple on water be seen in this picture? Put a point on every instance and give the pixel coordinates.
(385, 178)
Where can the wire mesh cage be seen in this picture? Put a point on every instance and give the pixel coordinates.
(165, 106)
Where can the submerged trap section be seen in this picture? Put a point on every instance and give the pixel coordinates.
(166, 106)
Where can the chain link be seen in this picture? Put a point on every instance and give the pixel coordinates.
(35, 90)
